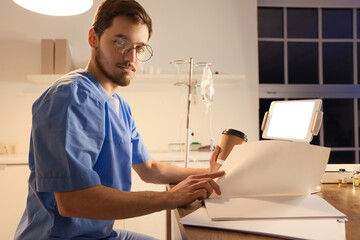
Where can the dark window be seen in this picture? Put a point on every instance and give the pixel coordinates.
(338, 122)
(270, 22)
(316, 140)
(358, 112)
(358, 59)
(338, 63)
(358, 23)
(337, 23)
(303, 63)
(341, 157)
(271, 62)
(302, 23)
(301, 52)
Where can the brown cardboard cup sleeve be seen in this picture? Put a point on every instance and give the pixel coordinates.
(230, 138)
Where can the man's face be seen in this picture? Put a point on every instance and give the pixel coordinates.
(120, 68)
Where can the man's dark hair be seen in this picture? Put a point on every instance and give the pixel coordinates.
(109, 9)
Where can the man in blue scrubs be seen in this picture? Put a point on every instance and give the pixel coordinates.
(84, 143)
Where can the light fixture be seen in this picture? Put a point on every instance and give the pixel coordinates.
(56, 7)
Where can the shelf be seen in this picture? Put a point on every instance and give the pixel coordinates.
(195, 156)
(13, 159)
(146, 78)
(43, 78)
(172, 78)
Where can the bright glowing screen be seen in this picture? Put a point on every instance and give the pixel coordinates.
(290, 120)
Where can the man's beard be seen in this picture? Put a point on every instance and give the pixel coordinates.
(121, 79)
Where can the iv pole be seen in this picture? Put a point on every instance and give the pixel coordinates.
(189, 85)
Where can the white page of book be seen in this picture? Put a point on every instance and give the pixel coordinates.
(307, 206)
(272, 167)
(314, 228)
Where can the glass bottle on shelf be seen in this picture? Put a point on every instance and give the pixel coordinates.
(342, 177)
(356, 179)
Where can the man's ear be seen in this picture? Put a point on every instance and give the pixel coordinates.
(92, 38)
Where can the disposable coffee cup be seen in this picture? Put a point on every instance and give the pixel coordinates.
(230, 138)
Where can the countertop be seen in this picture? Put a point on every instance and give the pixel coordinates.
(22, 158)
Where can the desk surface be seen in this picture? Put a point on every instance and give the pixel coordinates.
(344, 198)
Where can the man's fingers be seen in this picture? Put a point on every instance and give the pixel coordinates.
(215, 154)
(210, 175)
(216, 151)
(196, 187)
(215, 186)
(208, 184)
(200, 194)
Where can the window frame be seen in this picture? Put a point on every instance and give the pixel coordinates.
(320, 90)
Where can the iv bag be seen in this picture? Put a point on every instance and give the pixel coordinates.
(207, 87)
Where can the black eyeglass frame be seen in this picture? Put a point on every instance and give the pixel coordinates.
(125, 51)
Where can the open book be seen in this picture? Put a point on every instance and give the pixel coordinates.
(267, 188)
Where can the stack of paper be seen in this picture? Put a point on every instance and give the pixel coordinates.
(266, 190)
(312, 228)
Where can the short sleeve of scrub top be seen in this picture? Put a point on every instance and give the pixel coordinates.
(73, 125)
(67, 134)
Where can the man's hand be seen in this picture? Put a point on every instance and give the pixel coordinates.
(193, 188)
(214, 166)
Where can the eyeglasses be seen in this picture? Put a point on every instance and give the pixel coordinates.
(123, 46)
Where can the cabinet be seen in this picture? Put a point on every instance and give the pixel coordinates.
(14, 189)
(153, 224)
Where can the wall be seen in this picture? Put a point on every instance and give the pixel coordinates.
(221, 32)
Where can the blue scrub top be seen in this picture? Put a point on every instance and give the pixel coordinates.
(78, 140)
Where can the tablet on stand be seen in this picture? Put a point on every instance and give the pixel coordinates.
(295, 120)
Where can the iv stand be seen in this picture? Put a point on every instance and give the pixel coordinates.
(189, 85)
